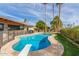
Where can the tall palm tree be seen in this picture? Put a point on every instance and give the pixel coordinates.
(53, 9)
(52, 14)
(45, 7)
(59, 9)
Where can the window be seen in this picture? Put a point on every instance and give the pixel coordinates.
(1, 26)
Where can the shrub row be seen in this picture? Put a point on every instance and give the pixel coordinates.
(71, 33)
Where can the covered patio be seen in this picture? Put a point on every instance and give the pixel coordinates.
(11, 25)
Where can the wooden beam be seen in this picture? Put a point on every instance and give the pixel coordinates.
(10, 22)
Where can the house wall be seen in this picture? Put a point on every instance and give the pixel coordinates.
(8, 35)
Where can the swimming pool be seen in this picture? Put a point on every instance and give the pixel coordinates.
(38, 41)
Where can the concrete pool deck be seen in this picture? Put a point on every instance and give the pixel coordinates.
(53, 50)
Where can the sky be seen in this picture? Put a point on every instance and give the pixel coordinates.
(35, 12)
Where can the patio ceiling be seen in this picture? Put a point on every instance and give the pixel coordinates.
(11, 22)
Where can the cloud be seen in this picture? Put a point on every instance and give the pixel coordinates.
(9, 16)
(70, 13)
(35, 12)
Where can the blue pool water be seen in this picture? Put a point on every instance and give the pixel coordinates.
(38, 41)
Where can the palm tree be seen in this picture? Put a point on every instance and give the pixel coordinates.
(45, 7)
(53, 9)
(56, 24)
(52, 13)
(59, 9)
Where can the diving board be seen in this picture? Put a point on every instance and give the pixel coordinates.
(25, 50)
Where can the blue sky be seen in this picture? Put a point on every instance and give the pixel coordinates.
(35, 12)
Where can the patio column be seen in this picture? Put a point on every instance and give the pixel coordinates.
(5, 34)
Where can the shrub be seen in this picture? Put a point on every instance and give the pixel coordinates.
(71, 33)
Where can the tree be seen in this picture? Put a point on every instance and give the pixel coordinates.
(41, 25)
(45, 7)
(56, 24)
(53, 9)
(59, 8)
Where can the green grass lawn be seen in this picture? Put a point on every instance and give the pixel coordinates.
(69, 48)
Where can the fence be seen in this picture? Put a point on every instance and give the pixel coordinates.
(7, 36)
(1, 38)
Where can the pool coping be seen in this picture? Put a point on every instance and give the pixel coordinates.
(7, 49)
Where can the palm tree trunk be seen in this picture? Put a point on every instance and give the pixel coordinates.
(59, 9)
(45, 7)
(53, 9)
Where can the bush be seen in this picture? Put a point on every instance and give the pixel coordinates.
(71, 33)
